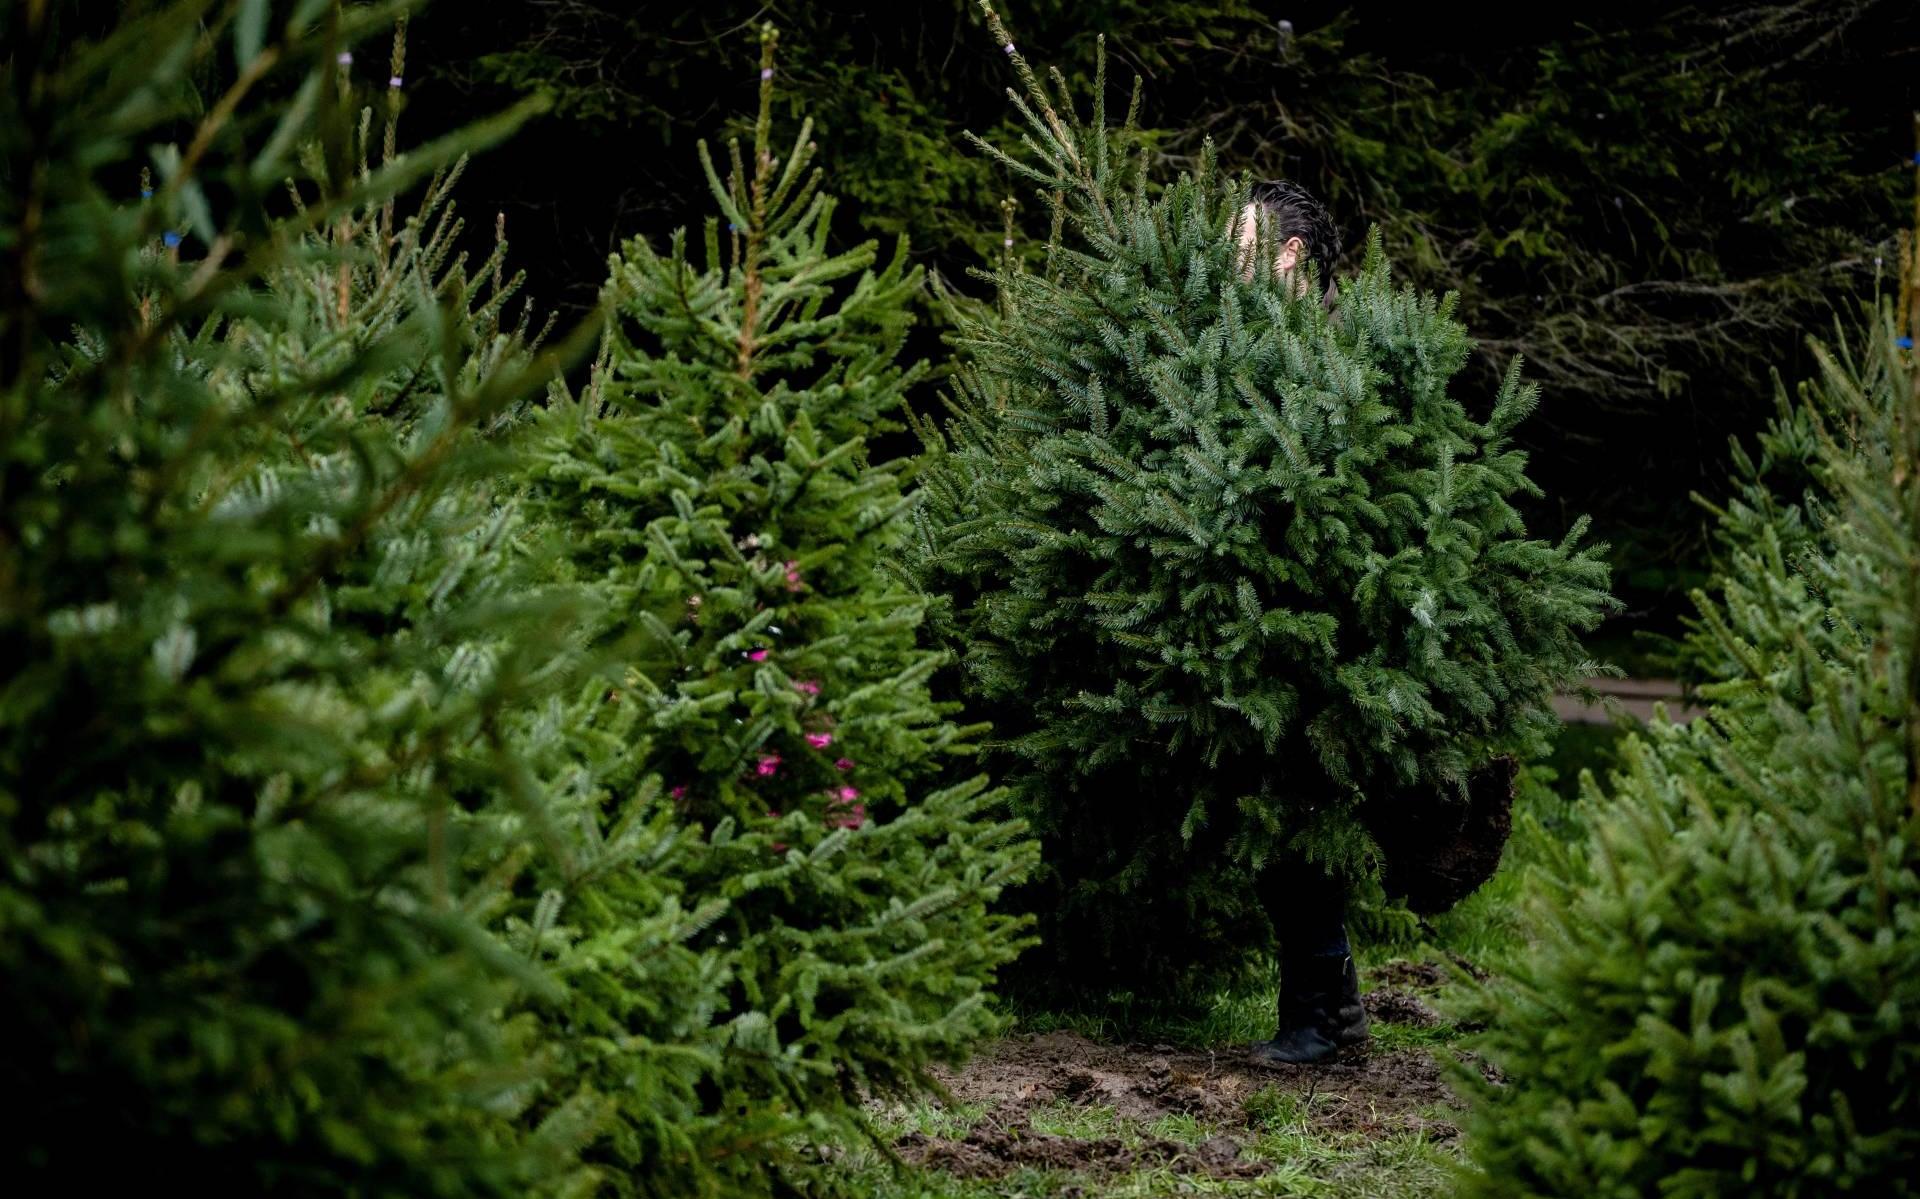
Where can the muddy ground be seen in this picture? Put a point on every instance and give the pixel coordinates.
(1366, 1096)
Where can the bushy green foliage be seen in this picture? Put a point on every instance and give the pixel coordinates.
(1236, 576)
(715, 482)
(1779, 512)
(257, 618)
(331, 862)
(1724, 991)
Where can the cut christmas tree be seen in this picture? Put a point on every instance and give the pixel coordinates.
(1238, 578)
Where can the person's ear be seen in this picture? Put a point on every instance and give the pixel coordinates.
(1289, 256)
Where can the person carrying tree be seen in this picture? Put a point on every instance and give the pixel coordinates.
(1241, 582)
(1319, 1008)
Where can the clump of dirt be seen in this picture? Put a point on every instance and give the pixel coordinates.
(1394, 1005)
(1369, 1095)
(1488, 1070)
(1412, 976)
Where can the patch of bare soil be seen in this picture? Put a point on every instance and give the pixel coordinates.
(1396, 1005)
(991, 1150)
(1408, 975)
(1369, 1094)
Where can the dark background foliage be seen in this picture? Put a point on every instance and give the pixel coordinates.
(1653, 205)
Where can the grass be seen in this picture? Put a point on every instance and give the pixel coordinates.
(928, 1119)
(1227, 1020)
(1408, 1165)
(1394, 1038)
(1093, 1123)
(1300, 1162)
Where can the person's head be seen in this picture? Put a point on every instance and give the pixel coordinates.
(1297, 225)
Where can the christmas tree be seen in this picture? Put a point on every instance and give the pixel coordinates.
(713, 483)
(288, 844)
(1234, 576)
(258, 608)
(1722, 993)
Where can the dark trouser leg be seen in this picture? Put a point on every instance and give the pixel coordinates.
(1308, 909)
(1319, 1007)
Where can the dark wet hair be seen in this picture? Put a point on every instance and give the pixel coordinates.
(1296, 213)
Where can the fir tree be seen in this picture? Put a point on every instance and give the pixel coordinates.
(1723, 995)
(261, 613)
(715, 486)
(1236, 577)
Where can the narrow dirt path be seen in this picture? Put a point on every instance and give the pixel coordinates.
(1009, 1102)
(1631, 697)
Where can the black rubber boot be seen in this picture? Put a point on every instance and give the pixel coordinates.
(1320, 1011)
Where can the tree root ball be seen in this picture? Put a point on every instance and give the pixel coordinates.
(1445, 848)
